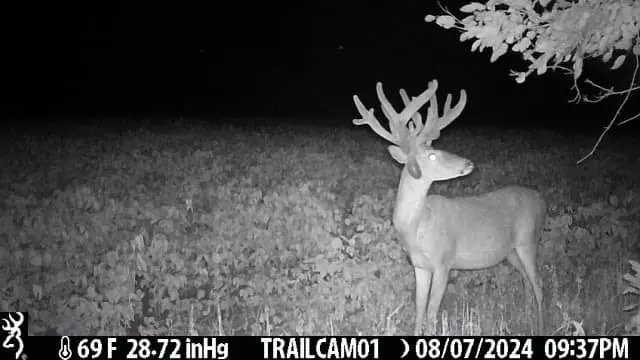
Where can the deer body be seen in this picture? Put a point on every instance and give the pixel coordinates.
(482, 231)
(442, 233)
(471, 232)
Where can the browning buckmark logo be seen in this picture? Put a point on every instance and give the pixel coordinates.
(14, 327)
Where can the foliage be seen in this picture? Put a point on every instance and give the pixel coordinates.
(548, 34)
(633, 278)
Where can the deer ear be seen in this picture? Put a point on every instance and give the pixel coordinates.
(397, 154)
(411, 163)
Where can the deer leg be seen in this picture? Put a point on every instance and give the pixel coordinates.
(439, 284)
(515, 261)
(423, 283)
(527, 256)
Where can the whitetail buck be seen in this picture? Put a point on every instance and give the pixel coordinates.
(442, 233)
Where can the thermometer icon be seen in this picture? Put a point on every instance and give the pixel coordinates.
(65, 348)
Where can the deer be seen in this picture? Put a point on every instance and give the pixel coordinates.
(441, 233)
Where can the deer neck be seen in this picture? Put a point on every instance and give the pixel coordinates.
(411, 201)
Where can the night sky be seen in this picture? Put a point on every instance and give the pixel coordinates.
(298, 60)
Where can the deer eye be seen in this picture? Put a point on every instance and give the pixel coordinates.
(432, 156)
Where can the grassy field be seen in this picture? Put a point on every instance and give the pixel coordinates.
(192, 228)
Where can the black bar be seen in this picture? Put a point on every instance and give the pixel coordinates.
(315, 347)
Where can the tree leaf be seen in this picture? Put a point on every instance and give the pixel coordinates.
(475, 45)
(606, 57)
(446, 21)
(619, 61)
(577, 67)
(522, 45)
(472, 7)
(501, 50)
(541, 68)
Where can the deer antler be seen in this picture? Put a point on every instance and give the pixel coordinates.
(435, 123)
(400, 134)
(416, 119)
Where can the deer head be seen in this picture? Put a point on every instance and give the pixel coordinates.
(412, 138)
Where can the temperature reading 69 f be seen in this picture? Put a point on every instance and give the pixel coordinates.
(93, 349)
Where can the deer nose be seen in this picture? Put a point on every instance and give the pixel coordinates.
(468, 165)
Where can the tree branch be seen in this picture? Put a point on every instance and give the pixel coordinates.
(613, 119)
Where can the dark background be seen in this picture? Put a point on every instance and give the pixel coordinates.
(300, 60)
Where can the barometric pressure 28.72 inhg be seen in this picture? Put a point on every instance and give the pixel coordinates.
(150, 348)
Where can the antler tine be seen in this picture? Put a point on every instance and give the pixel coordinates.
(430, 131)
(435, 123)
(397, 126)
(451, 114)
(369, 119)
(418, 101)
(417, 118)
